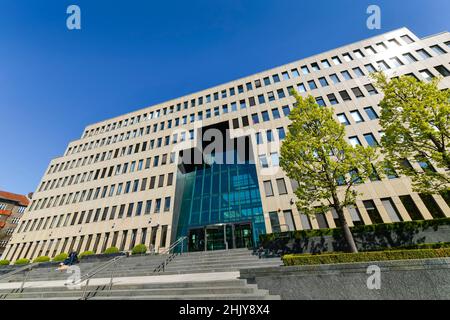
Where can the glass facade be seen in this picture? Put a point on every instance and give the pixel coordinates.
(224, 197)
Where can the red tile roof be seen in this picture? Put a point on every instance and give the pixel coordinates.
(21, 199)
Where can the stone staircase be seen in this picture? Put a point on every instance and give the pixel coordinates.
(194, 268)
(233, 289)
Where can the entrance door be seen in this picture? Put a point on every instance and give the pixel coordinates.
(221, 237)
(215, 238)
(196, 240)
(243, 235)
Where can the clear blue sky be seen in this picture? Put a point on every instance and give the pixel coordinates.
(132, 54)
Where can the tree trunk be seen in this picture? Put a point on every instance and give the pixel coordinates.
(347, 233)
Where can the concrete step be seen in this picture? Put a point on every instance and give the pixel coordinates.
(157, 285)
(140, 292)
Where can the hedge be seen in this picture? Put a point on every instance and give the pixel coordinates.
(382, 227)
(60, 257)
(308, 259)
(111, 250)
(4, 262)
(85, 254)
(139, 249)
(41, 259)
(22, 261)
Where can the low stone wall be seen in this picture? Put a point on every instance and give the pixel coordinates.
(405, 279)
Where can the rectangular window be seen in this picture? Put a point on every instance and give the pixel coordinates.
(427, 75)
(423, 54)
(281, 133)
(356, 116)
(275, 113)
(382, 65)
(411, 207)
(305, 70)
(261, 99)
(396, 62)
(274, 222)
(325, 64)
(371, 89)
(312, 85)
(358, 93)
(346, 75)
(335, 78)
(371, 113)
(409, 58)
(166, 204)
(323, 82)
(148, 206)
(370, 68)
(442, 70)
(301, 88)
(370, 139)
(354, 141)
(268, 188)
(344, 95)
(281, 185)
(332, 98)
(359, 73)
(343, 119)
(391, 209)
(407, 39)
(320, 101)
(157, 205)
(336, 60)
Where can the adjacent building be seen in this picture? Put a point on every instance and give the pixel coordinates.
(150, 176)
(12, 207)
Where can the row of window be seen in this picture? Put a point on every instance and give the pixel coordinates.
(275, 78)
(127, 167)
(101, 214)
(90, 242)
(355, 214)
(106, 191)
(382, 65)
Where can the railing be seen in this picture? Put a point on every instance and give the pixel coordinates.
(27, 268)
(92, 273)
(172, 255)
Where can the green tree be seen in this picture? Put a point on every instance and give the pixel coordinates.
(415, 119)
(326, 167)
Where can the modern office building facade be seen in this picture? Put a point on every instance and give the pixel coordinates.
(12, 207)
(136, 178)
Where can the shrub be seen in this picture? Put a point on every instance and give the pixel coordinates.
(139, 249)
(300, 259)
(41, 259)
(60, 257)
(85, 254)
(22, 261)
(111, 250)
(4, 262)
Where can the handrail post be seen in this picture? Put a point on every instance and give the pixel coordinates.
(27, 271)
(85, 289)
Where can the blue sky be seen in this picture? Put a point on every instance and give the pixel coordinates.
(132, 54)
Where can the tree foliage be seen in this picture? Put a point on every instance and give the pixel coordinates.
(415, 119)
(318, 157)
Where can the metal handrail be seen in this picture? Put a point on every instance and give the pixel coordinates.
(173, 245)
(90, 274)
(171, 256)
